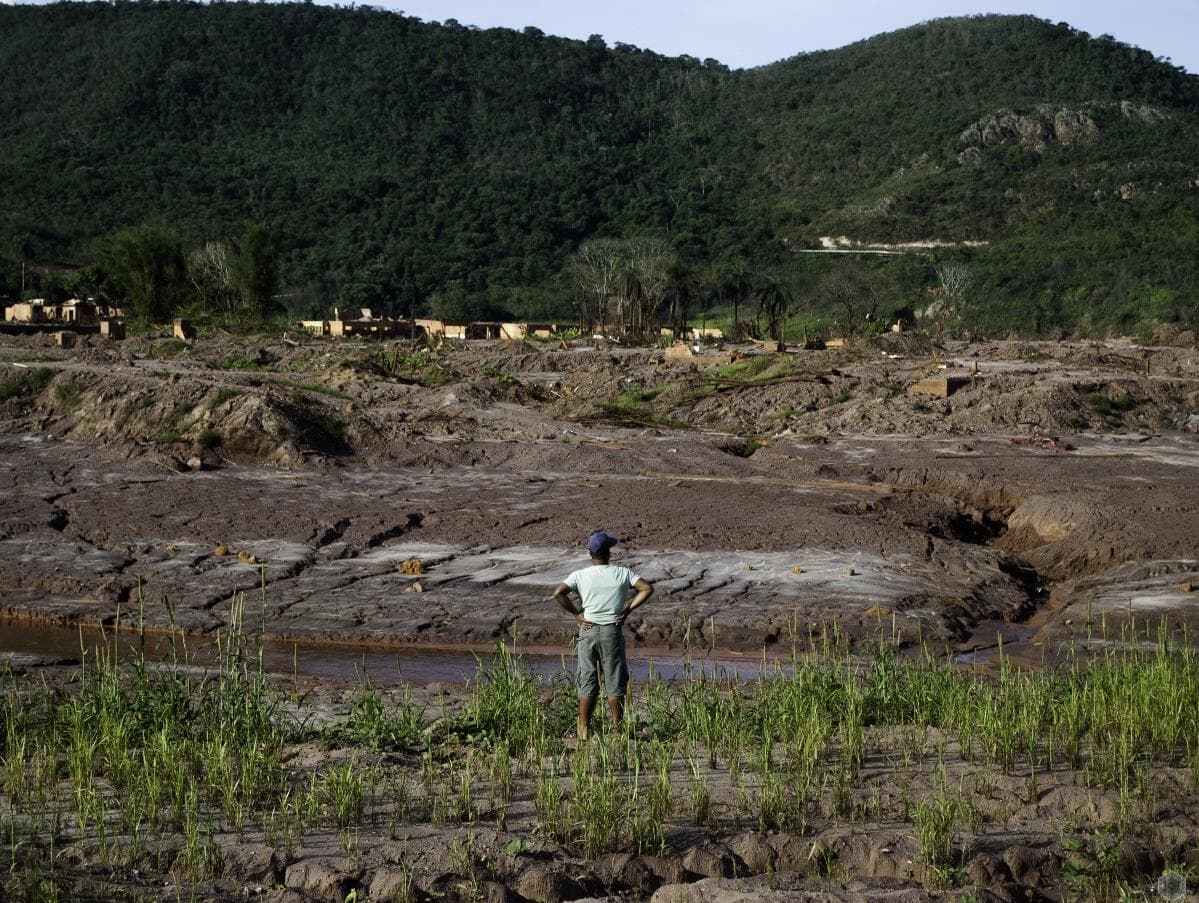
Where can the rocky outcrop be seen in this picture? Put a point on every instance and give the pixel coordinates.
(1046, 126)
(1036, 131)
(1142, 114)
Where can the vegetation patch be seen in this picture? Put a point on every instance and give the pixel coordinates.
(222, 396)
(635, 406)
(171, 348)
(155, 764)
(756, 367)
(375, 724)
(420, 367)
(497, 372)
(68, 395)
(237, 361)
(318, 427)
(744, 447)
(309, 386)
(172, 426)
(1108, 405)
(698, 392)
(26, 384)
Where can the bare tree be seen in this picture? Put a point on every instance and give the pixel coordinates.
(595, 266)
(652, 260)
(855, 294)
(955, 280)
(210, 272)
(636, 272)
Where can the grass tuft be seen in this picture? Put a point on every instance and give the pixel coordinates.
(26, 384)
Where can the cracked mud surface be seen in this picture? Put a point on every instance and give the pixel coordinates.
(739, 563)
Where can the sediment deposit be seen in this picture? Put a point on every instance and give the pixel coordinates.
(1047, 491)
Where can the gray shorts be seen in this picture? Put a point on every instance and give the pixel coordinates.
(602, 646)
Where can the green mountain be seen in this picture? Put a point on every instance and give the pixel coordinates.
(396, 160)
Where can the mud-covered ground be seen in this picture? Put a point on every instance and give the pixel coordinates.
(444, 812)
(766, 497)
(395, 495)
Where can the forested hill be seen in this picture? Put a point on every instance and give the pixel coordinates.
(397, 159)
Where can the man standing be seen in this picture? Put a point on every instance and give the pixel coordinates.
(604, 592)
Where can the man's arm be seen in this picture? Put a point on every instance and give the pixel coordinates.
(645, 589)
(562, 595)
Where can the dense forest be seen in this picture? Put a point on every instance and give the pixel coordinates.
(295, 156)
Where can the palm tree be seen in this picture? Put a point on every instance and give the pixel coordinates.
(735, 284)
(774, 300)
(681, 292)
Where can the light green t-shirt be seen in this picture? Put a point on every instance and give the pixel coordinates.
(604, 590)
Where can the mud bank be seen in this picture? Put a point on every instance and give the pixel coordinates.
(913, 539)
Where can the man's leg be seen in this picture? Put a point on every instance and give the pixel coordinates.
(586, 707)
(587, 681)
(616, 709)
(616, 672)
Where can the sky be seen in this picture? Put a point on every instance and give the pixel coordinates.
(742, 33)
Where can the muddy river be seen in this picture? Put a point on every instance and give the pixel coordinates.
(20, 642)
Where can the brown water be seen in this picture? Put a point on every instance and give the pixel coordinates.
(417, 666)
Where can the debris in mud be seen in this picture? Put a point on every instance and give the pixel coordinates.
(940, 387)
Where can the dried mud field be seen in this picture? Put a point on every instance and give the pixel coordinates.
(810, 508)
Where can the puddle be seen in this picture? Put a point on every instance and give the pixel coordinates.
(1012, 643)
(417, 666)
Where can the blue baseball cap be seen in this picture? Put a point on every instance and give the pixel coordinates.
(600, 542)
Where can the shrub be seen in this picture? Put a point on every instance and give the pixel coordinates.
(26, 385)
(221, 397)
(239, 362)
(68, 395)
